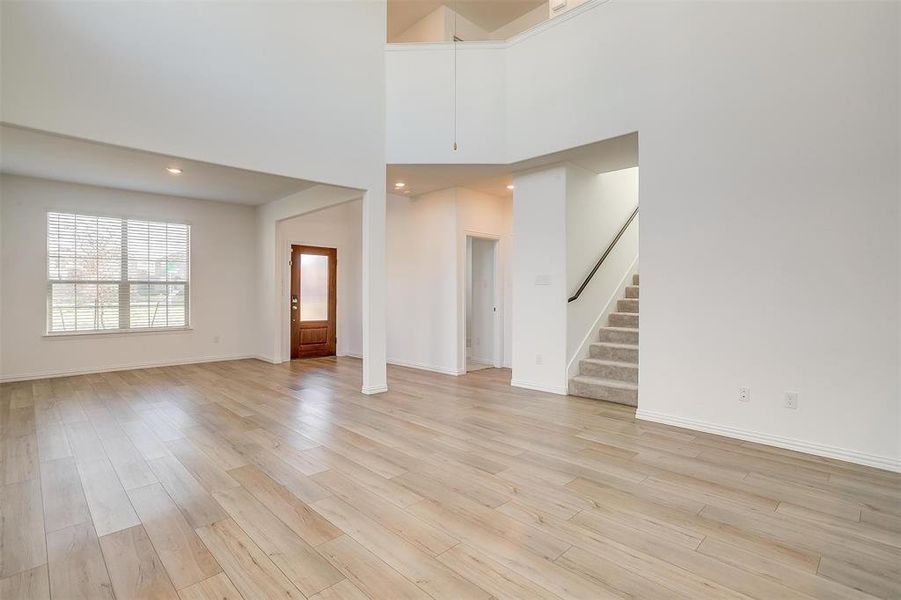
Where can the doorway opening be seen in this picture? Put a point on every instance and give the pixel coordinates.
(313, 301)
(481, 317)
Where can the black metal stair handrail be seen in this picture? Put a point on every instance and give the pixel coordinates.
(609, 249)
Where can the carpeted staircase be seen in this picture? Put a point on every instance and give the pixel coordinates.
(611, 370)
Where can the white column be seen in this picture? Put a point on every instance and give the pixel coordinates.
(374, 349)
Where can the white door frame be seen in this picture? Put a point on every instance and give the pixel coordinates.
(497, 288)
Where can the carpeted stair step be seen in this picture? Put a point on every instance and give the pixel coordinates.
(627, 353)
(629, 305)
(619, 335)
(619, 319)
(609, 369)
(604, 389)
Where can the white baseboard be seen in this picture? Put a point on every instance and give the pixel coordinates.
(425, 367)
(853, 456)
(268, 359)
(374, 389)
(561, 390)
(413, 365)
(127, 367)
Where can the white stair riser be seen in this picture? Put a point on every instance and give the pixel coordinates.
(605, 352)
(627, 373)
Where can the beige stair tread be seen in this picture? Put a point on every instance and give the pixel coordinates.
(609, 328)
(616, 345)
(605, 382)
(612, 363)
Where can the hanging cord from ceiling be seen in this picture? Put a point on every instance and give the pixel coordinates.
(456, 39)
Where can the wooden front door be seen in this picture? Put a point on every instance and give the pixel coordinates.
(313, 301)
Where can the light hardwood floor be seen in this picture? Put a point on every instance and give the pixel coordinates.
(242, 478)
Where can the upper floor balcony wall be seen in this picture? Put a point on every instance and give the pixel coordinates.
(440, 93)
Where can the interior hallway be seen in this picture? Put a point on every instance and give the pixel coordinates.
(249, 479)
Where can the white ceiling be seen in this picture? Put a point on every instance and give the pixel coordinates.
(487, 14)
(422, 179)
(600, 157)
(492, 14)
(38, 154)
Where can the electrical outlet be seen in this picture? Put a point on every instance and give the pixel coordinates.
(791, 400)
(744, 394)
(215, 339)
(539, 360)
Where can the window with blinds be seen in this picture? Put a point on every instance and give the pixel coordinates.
(112, 274)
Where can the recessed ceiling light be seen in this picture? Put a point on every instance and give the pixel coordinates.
(510, 187)
(399, 184)
(174, 170)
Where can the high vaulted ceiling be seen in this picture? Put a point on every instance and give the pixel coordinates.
(487, 14)
(48, 156)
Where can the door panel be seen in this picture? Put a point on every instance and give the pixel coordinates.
(313, 301)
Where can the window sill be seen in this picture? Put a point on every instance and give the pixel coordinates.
(114, 332)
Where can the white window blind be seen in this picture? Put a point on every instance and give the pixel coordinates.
(112, 274)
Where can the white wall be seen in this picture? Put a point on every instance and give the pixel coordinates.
(420, 104)
(769, 193)
(421, 265)
(334, 227)
(222, 282)
(597, 206)
(426, 257)
(539, 280)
